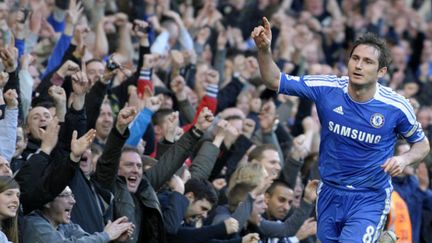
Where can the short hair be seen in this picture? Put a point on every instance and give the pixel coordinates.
(371, 39)
(128, 148)
(202, 189)
(94, 60)
(275, 184)
(258, 151)
(233, 117)
(9, 225)
(159, 116)
(131, 149)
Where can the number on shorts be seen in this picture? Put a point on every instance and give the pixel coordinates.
(368, 236)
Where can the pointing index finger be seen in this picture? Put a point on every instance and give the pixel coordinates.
(266, 24)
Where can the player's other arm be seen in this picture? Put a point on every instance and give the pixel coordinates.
(395, 165)
(270, 72)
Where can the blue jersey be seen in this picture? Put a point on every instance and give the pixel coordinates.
(356, 138)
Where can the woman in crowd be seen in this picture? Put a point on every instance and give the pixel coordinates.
(9, 205)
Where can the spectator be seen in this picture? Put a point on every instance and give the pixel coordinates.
(52, 224)
(10, 203)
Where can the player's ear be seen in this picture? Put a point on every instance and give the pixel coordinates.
(382, 71)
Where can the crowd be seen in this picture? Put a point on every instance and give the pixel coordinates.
(148, 121)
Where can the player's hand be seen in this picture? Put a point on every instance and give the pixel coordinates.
(262, 35)
(394, 166)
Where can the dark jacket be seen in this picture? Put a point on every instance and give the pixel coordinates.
(42, 178)
(125, 204)
(94, 205)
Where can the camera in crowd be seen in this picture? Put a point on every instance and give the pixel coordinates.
(112, 65)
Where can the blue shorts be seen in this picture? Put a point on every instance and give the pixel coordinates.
(346, 215)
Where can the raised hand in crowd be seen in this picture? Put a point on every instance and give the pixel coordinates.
(152, 103)
(49, 135)
(59, 96)
(231, 225)
(9, 56)
(80, 33)
(250, 68)
(140, 29)
(72, 16)
(74, 12)
(119, 227)
(251, 238)
(231, 135)
(120, 20)
(212, 77)
(178, 87)
(124, 118)
(219, 183)
(80, 82)
(310, 191)
(4, 78)
(80, 86)
(177, 59)
(208, 15)
(79, 146)
(205, 118)
(150, 61)
(26, 61)
(176, 184)
(68, 68)
(299, 150)
(173, 131)
(221, 127)
(190, 57)
(308, 228)
(11, 99)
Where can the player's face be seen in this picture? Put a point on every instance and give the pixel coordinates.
(363, 66)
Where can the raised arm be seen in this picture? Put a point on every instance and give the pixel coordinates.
(9, 124)
(270, 72)
(107, 165)
(174, 157)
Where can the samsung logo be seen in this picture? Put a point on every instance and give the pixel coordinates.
(353, 133)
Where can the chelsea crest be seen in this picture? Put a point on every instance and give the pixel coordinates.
(377, 120)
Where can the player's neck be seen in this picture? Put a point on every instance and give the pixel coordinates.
(362, 93)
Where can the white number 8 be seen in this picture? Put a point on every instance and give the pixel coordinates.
(368, 236)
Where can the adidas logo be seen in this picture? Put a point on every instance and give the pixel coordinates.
(338, 110)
